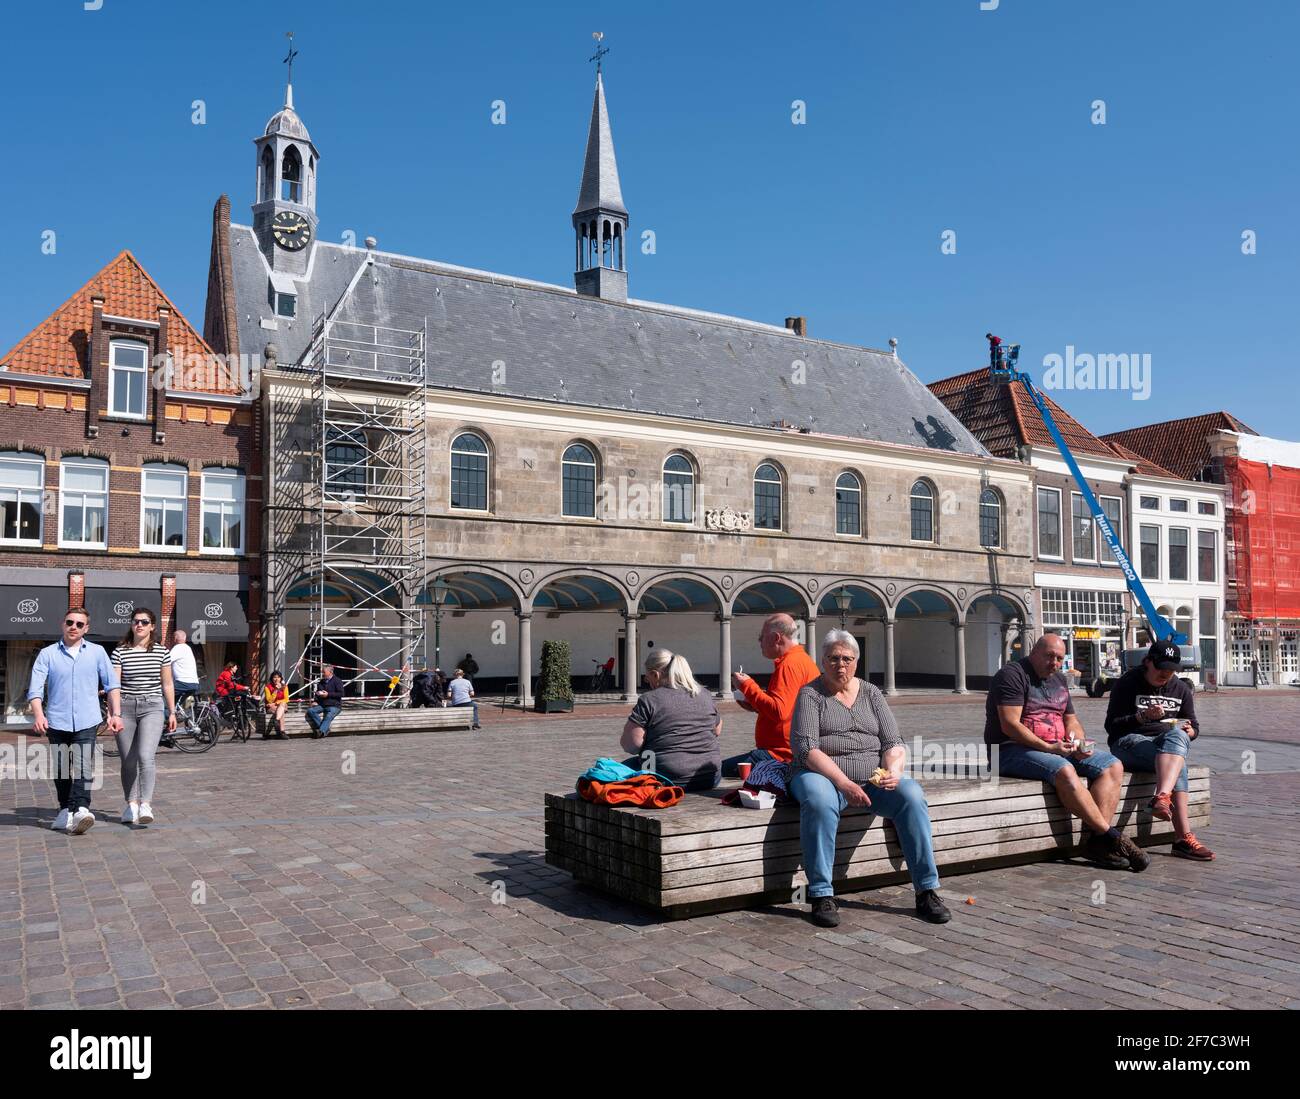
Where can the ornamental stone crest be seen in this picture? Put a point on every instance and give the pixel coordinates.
(813, 585)
(633, 579)
(526, 575)
(727, 519)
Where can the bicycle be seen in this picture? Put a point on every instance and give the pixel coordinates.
(195, 732)
(601, 680)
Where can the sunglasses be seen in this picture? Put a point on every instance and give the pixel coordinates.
(75, 625)
(141, 622)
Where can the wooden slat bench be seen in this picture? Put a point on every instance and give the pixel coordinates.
(702, 856)
(358, 720)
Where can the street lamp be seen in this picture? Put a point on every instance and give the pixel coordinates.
(440, 591)
(843, 600)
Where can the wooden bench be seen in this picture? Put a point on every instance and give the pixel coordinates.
(355, 720)
(702, 856)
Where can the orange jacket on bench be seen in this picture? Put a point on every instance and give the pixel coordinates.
(645, 790)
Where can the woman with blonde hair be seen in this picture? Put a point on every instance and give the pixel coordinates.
(674, 727)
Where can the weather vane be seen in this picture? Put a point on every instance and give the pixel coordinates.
(600, 50)
(292, 54)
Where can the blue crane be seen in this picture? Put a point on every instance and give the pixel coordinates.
(1002, 370)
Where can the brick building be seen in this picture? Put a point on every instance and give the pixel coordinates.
(591, 467)
(129, 476)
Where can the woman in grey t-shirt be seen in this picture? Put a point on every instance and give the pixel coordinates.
(674, 727)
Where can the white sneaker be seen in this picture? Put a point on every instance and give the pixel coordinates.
(81, 821)
(130, 814)
(145, 816)
(60, 822)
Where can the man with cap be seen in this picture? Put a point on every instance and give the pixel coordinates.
(1150, 723)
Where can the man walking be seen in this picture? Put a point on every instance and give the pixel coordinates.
(461, 691)
(792, 669)
(1032, 732)
(68, 675)
(329, 703)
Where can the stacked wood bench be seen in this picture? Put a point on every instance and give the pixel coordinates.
(703, 856)
(358, 720)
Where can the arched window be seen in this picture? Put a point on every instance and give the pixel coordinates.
(469, 472)
(83, 502)
(347, 467)
(848, 504)
(268, 175)
(990, 519)
(922, 512)
(291, 176)
(578, 482)
(222, 511)
(22, 484)
(767, 497)
(679, 489)
(164, 507)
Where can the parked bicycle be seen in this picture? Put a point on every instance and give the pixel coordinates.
(603, 679)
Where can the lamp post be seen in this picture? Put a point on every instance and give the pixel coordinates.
(423, 600)
(843, 600)
(440, 591)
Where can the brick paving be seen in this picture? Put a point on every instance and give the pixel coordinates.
(280, 875)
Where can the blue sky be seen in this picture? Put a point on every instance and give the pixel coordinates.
(922, 116)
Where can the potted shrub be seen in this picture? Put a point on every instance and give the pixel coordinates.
(555, 695)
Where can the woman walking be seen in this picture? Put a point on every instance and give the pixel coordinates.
(143, 667)
(276, 697)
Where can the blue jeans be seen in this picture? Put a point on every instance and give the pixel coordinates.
(1017, 761)
(472, 703)
(74, 766)
(1138, 752)
(731, 766)
(820, 806)
(326, 714)
(182, 691)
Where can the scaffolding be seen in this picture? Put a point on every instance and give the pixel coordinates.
(348, 501)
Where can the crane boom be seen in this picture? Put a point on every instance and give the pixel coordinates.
(1002, 369)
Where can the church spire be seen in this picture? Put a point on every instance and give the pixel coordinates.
(600, 218)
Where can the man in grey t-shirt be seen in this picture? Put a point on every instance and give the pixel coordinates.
(461, 692)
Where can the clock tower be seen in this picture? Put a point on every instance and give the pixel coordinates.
(284, 208)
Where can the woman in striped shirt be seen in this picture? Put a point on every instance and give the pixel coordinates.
(148, 703)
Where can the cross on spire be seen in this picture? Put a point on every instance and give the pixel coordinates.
(291, 55)
(601, 50)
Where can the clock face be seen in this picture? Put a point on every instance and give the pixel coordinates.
(292, 231)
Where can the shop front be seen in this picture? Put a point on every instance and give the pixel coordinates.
(110, 609)
(217, 625)
(1092, 625)
(31, 617)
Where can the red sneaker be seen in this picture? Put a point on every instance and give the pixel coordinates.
(1162, 807)
(1187, 846)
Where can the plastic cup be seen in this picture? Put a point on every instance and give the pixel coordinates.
(744, 769)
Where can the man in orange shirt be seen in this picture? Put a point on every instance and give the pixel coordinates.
(792, 669)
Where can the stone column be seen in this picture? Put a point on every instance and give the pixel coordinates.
(959, 638)
(525, 659)
(890, 689)
(810, 636)
(724, 655)
(631, 660)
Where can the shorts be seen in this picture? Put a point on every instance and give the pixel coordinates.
(1017, 761)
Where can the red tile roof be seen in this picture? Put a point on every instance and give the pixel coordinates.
(1003, 417)
(57, 346)
(1144, 465)
(1179, 445)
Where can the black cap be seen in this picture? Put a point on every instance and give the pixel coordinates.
(1165, 655)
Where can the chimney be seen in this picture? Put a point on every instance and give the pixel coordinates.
(797, 325)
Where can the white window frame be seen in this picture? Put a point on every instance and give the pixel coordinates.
(1103, 550)
(1147, 496)
(1169, 543)
(933, 500)
(1159, 551)
(1215, 535)
(114, 369)
(1201, 505)
(857, 487)
(664, 474)
(1092, 526)
(486, 455)
(100, 466)
(20, 457)
(237, 507)
(1038, 529)
(1186, 509)
(162, 467)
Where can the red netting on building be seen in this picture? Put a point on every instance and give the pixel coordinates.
(1264, 517)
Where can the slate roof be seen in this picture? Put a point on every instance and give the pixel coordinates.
(1004, 417)
(563, 347)
(599, 189)
(1180, 445)
(58, 345)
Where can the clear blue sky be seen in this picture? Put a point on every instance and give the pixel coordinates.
(923, 115)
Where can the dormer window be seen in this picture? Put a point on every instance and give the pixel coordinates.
(282, 295)
(291, 176)
(127, 370)
(286, 305)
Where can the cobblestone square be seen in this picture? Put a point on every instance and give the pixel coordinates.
(274, 878)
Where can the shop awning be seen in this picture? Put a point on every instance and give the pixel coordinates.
(110, 609)
(212, 616)
(35, 612)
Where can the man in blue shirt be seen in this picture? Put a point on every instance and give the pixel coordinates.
(461, 691)
(329, 702)
(64, 696)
